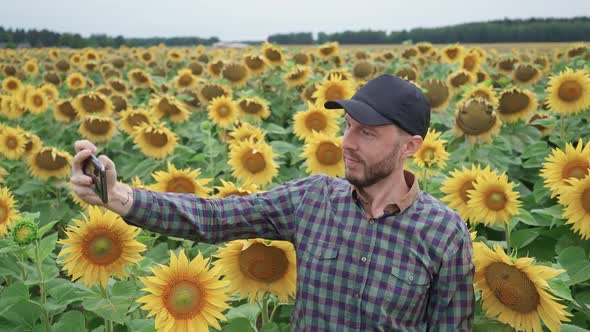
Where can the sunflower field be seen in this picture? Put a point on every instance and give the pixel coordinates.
(508, 148)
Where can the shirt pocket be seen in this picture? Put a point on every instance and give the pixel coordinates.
(322, 262)
(407, 291)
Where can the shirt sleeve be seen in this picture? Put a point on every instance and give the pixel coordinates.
(452, 298)
(269, 215)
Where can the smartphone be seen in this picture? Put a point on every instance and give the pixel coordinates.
(95, 169)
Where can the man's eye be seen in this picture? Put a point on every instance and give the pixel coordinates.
(366, 132)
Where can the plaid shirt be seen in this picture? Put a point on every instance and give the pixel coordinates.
(407, 270)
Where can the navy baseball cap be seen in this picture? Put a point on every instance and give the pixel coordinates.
(386, 100)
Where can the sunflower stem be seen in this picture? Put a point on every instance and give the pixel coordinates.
(108, 324)
(264, 313)
(507, 232)
(424, 183)
(45, 317)
(562, 128)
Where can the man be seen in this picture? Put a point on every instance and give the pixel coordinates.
(374, 252)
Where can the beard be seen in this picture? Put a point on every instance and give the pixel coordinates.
(375, 172)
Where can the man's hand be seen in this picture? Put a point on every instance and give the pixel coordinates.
(120, 194)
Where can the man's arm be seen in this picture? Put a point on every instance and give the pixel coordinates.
(269, 215)
(452, 299)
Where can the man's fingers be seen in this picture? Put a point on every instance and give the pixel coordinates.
(78, 160)
(84, 144)
(81, 180)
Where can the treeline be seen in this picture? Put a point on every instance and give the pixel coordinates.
(507, 30)
(45, 38)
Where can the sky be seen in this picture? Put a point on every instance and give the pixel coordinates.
(257, 19)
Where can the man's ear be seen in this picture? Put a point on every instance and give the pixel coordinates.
(412, 144)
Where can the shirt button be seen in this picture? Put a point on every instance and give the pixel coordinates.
(357, 296)
(371, 221)
(363, 259)
(411, 278)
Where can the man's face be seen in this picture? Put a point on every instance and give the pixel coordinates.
(370, 152)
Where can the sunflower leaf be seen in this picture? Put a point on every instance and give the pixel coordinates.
(523, 237)
(70, 321)
(574, 260)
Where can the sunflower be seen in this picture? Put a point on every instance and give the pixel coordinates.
(409, 53)
(76, 82)
(36, 102)
(51, 92)
(482, 91)
(99, 246)
(236, 73)
(244, 131)
(32, 145)
(545, 130)
(327, 50)
(482, 76)
(452, 53)
(64, 111)
(46, 162)
(515, 104)
(315, 120)
(506, 65)
(333, 88)
(119, 102)
(180, 181)
(132, 118)
(185, 79)
(363, 70)
(230, 188)
(253, 162)
(155, 140)
(256, 266)
(576, 202)
(569, 92)
(92, 103)
(214, 68)
(542, 63)
(477, 120)
(3, 172)
(432, 153)
(323, 154)
(307, 93)
(8, 211)
(185, 296)
(223, 111)
(515, 291)
(209, 91)
(97, 129)
(526, 74)
(471, 62)
(31, 68)
(438, 94)
(12, 142)
(254, 106)
(297, 76)
(12, 85)
(51, 77)
(255, 63)
(492, 199)
(302, 59)
(576, 50)
(140, 78)
(170, 107)
(146, 56)
(344, 74)
(196, 68)
(460, 78)
(273, 55)
(455, 188)
(118, 85)
(561, 166)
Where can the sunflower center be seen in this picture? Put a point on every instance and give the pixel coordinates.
(525, 73)
(167, 108)
(570, 91)
(459, 79)
(428, 154)
(234, 73)
(328, 153)
(437, 93)
(452, 53)
(250, 107)
(513, 102)
(37, 101)
(12, 85)
(223, 111)
(507, 64)
(184, 299)
(97, 126)
(50, 161)
(212, 91)
(139, 77)
(156, 139)
(467, 185)
(512, 287)
(363, 70)
(254, 161)
(296, 75)
(93, 104)
(469, 62)
(11, 142)
(254, 63)
(216, 67)
(334, 93)
(316, 121)
(496, 200)
(137, 119)
(185, 80)
(76, 82)
(66, 109)
(263, 263)
(103, 248)
(180, 185)
(119, 103)
(576, 169)
(407, 73)
(476, 119)
(3, 213)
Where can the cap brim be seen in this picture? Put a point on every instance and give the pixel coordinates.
(359, 111)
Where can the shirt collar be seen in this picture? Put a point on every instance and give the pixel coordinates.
(404, 202)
